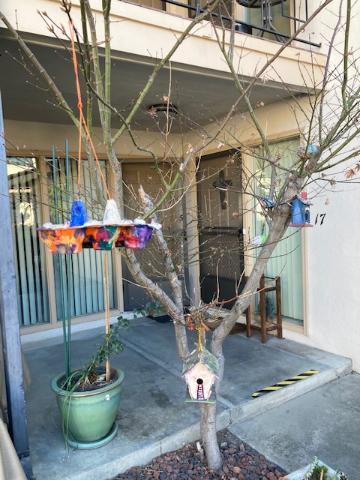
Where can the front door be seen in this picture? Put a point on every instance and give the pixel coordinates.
(220, 227)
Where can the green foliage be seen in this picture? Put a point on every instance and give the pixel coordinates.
(316, 472)
(111, 344)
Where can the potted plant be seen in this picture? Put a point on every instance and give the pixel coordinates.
(89, 397)
(317, 470)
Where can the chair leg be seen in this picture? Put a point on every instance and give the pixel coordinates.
(248, 321)
(263, 310)
(278, 308)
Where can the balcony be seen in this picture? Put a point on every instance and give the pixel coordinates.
(272, 19)
(144, 31)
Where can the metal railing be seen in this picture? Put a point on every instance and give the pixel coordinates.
(264, 6)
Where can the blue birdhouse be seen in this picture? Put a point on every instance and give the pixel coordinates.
(300, 211)
(312, 149)
(78, 214)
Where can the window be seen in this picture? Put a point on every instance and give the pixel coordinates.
(158, 4)
(286, 260)
(25, 204)
(275, 18)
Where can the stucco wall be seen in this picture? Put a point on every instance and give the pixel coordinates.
(333, 275)
(333, 253)
(37, 138)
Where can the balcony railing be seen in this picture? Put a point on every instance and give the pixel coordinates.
(263, 18)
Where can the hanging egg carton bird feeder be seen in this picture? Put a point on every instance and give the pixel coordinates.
(200, 371)
(82, 233)
(300, 211)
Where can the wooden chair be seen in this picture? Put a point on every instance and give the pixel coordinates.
(264, 328)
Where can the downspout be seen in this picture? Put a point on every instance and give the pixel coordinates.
(9, 320)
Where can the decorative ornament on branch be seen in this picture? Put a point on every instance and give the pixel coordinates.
(201, 367)
(300, 211)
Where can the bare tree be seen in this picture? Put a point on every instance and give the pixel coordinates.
(328, 122)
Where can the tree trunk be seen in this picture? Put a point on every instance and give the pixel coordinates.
(208, 412)
(208, 436)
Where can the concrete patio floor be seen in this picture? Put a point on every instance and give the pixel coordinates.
(323, 423)
(153, 417)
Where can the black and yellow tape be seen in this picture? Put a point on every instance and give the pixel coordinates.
(285, 383)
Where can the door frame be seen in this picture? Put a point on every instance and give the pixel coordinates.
(213, 156)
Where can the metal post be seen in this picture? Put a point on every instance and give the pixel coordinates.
(9, 318)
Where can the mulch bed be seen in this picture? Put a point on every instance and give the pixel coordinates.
(241, 462)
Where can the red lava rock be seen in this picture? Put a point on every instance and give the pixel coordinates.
(240, 462)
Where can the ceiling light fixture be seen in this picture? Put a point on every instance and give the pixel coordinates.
(167, 108)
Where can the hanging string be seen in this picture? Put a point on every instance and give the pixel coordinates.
(200, 326)
(82, 120)
(107, 310)
(200, 331)
(79, 105)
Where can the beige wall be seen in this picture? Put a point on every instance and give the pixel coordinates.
(278, 120)
(38, 138)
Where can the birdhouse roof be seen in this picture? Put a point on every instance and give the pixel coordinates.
(304, 202)
(204, 357)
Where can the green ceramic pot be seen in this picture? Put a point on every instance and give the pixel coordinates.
(89, 417)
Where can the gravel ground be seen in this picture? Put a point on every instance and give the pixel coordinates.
(241, 462)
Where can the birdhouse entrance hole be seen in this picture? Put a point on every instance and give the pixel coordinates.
(200, 389)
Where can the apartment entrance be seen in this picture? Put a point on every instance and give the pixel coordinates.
(220, 226)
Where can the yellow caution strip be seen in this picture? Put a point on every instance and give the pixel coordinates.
(285, 383)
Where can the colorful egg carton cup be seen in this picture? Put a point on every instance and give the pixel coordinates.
(100, 237)
(134, 236)
(62, 239)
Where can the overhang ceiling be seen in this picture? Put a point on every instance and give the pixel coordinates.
(201, 96)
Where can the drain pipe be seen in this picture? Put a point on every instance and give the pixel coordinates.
(9, 321)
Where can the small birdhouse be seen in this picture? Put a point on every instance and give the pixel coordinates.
(300, 211)
(200, 371)
(267, 202)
